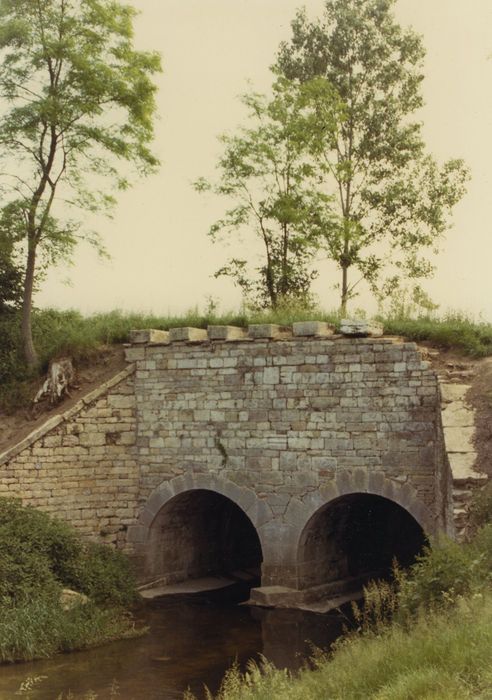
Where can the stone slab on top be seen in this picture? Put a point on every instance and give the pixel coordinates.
(361, 328)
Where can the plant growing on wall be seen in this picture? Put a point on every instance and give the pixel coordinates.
(78, 103)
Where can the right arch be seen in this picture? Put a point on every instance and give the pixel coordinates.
(356, 535)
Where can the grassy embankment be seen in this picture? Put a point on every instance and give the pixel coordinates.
(427, 636)
(39, 557)
(68, 332)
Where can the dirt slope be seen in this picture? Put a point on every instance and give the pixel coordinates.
(16, 427)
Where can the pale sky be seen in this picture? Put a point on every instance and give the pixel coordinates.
(162, 260)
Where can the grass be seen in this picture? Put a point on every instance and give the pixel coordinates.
(443, 656)
(84, 338)
(41, 628)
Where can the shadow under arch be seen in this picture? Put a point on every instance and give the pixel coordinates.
(357, 535)
(198, 525)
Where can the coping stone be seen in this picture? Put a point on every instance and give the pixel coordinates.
(188, 334)
(149, 335)
(226, 333)
(264, 330)
(310, 328)
(361, 328)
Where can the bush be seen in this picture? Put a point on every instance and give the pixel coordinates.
(104, 574)
(36, 551)
(39, 553)
(38, 556)
(480, 513)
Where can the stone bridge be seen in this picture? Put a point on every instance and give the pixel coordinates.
(314, 457)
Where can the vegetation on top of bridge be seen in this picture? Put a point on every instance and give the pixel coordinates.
(82, 337)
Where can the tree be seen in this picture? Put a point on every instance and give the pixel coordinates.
(269, 172)
(393, 200)
(10, 278)
(79, 103)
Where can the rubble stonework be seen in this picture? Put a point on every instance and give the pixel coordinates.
(279, 423)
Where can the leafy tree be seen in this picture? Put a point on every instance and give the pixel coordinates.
(79, 102)
(269, 172)
(393, 200)
(10, 277)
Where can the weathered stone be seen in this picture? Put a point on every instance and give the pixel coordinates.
(264, 330)
(462, 468)
(453, 392)
(459, 439)
(149, 335)
(310, 328)
(361, 328)
(188, 334)
(226, 333)
(458, 415)
(70, 599)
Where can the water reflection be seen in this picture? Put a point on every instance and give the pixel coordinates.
(192, 641)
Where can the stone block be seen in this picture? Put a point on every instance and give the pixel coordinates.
(453, 392)
(462, 468)
(149, 335)
(264, 330)
(457, 415)
(459, 439)
(187, 334)
(312, 328)
(361, 328)
(226, 333)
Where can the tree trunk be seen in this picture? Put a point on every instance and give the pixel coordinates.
(26, 331)
(344, 299)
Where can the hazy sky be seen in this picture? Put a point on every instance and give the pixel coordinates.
(162, 259)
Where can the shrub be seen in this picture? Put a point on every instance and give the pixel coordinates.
(104, 574)
(35, 551)
(480, 513)
(39, 553)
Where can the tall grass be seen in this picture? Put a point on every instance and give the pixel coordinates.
(41, 628)
(443, 657)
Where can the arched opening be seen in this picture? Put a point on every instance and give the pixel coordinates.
(357, 536)
(201, 533)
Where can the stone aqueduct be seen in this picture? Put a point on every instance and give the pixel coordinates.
(317, 456)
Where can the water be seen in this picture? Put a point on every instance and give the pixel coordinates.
(192, 641)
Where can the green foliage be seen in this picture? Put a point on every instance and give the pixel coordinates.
(270, 173)
(454, 330)
(104, 574)
(40, 628)
(35, 552)
(10, 281)
(480, 512)
(39, 553)
(393, 200)
(78, 100)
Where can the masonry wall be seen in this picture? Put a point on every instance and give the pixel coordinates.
(84, 469)
(284, 417)
(280, 426)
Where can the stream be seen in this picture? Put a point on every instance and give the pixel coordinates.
(193, 640)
